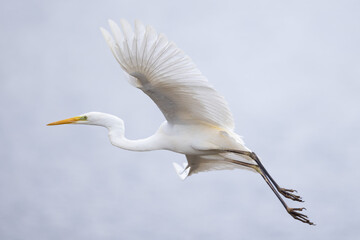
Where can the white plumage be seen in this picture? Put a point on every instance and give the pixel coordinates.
(171, 79)
(167, 75)
(198, 122)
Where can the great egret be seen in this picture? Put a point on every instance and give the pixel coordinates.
(198, 122)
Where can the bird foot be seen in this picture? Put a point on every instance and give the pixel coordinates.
(294, 212)
(288, 193)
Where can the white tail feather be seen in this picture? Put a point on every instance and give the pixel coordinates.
(182, 172)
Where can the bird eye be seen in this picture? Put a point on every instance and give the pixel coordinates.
(83, 118)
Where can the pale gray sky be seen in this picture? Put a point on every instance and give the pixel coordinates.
(289, 70)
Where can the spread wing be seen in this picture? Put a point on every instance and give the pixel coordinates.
(167, 75)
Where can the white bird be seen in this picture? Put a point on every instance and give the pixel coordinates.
(198, 122)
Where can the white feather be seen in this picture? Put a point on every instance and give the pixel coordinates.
(199, 123)
(204, 163)
(167, 75)
(182, 172)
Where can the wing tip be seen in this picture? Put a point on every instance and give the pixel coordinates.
(108, 38)
(110, 21)
(105, 33)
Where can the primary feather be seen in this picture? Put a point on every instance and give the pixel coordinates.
(167, 75)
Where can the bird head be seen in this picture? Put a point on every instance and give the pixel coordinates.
(92, 118)
(82, 119)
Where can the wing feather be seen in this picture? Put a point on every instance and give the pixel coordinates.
(167, 75)
(205, 163)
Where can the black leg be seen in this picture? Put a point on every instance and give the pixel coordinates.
(294, 212)
(288, 193)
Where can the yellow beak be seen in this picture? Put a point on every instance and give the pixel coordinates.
(65, 121)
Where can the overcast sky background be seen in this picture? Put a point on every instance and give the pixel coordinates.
(290, 71)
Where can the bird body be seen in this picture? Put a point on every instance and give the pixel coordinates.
(195, 139)
(198, 123)
(199, 142)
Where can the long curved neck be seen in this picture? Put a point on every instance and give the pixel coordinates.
(118, 139)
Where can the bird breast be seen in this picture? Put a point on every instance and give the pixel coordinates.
(196, 139)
